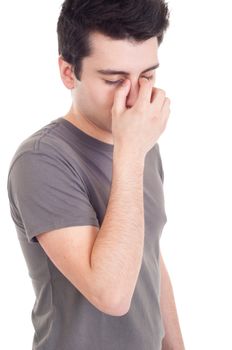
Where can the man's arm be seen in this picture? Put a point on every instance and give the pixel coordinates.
(117, 252)
(173, 338)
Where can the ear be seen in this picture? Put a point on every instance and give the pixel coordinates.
(66, 73)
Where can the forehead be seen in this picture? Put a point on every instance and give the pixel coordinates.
(118, 54)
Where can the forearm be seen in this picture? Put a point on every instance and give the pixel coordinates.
(173, 338)
(118, 249)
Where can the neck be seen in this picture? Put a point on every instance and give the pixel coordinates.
(86, 126)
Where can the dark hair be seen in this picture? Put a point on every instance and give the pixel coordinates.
(134, 20)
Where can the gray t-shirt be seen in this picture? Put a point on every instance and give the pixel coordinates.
(59, 177)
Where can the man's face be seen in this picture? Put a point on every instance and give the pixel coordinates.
(93, 96)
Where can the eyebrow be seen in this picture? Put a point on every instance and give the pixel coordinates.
(110, 71)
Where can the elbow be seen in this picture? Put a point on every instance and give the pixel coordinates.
(116, 307)
(117, 310)
(109, 306)
(112, 302)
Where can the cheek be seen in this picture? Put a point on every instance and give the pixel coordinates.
(103, 95)
(99, 94)
(93, 94)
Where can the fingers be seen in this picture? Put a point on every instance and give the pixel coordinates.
(158, 99)
(165, 112)
(166, 105)
(144, 96)
(120, 97)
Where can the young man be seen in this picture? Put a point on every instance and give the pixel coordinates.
(86, 190)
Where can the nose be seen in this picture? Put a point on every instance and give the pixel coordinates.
(132, 95)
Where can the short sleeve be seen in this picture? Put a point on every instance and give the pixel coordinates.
(47, 193)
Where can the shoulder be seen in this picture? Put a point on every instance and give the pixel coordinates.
(47, 142)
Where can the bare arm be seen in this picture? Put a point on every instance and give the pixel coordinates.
(117, 252)
(173, 338)
(118, 249)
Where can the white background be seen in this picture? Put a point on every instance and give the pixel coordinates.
(195, 71)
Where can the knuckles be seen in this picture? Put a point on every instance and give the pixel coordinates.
(161, 92)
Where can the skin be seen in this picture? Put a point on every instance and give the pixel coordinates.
(90, 111)
(92, 97)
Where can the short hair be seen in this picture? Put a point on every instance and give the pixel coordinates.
(134, 20)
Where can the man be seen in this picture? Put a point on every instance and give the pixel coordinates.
(86, 190)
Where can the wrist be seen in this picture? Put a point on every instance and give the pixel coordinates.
(128, 158)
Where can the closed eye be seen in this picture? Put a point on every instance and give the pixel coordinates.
(109, 82)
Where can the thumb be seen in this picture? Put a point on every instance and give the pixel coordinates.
(120, 97)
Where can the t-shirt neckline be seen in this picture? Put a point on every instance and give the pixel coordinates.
(89, 140)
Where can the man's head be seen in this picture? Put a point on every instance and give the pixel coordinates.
(99, 35)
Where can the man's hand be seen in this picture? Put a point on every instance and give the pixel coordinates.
(138, 128)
